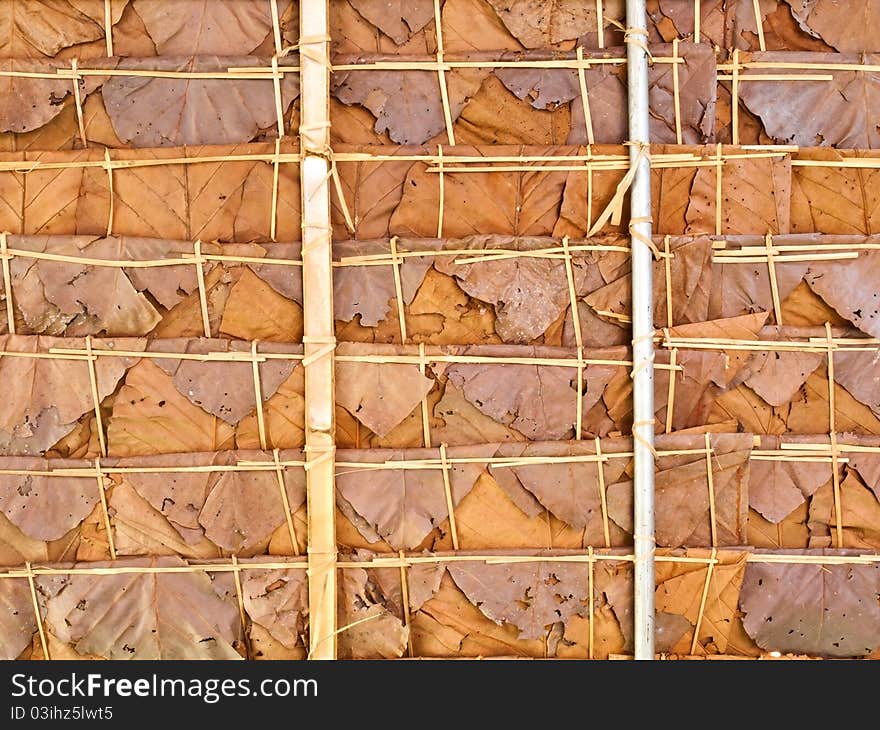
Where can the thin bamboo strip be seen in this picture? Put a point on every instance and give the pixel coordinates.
(585, 98)
(600, 26)
(77, 101)
(203, 294)
(736, 77)
(667, 273)
(710, 481)
(447, 490)
(276, 173)
(703, 597)
(774, 282)
(7, 282)
(276, 27)
(96, 398)
(245, 73)
(405, 64)
(105, 513)
(676, 93)
(404, 596)
(441, 74)
(426, 421)
(111, 211)
(398, 289)
(441, 192)
(239, 596)
(759, 22)
(27, 166)
(258, 395)
(590, 605)
(155, 569)
(422, 559)
(697, 19)
(282, 488)
(670, 395)
(603, 496)
(108, 28)
(37, 616)
(719, 167)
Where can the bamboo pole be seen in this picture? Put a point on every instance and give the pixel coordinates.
(318, 326)
(642, 329)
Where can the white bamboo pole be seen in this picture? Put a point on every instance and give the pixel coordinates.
(318, 325)
(643, 329)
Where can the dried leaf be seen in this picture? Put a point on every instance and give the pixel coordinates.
(278, 601)
(51, 394)
(847, 28)
(777, 376)
(825, 610)
(680, 593)
(838, 113)
(777, 488)
(31, 28)
(508, 203)
(166, 112)
(141, 615)
(207, 27)
(841, 284)
(539, 401)
(407, 104)
(399, 20)
(17, 620)
(405, 505)
(224, 389)
(243, 508)
(36, 505)
(531, 596)
(379, 395)
(539, 24)
(529, 294)
(367, 629)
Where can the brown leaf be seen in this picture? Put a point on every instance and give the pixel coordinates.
(777, 488)
(838, 113)
(165, 112)
(399, 20)
(530, 596)
(224, 389)
(278, 601)
(841, 284)
(847, 28)
(407, 104)
(207, 27)
(755, 196)
(17, 620)
(529, 294)
(569, 490)
(405, 505)
(37, 101)
(51, 394)
(538, 25)
(57, 297)
(379, 395)
(492, 116)
(512, 203)
(680, 592)
(141, 615)
(539, 401)
(45, 507)
(825, 610)
(31, 29)
(366, 290)
(682, 492)
(777, 376)
(243, 508)
(367, 629)
(834, 199)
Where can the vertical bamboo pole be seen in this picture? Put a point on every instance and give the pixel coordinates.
(318, 325)
(642, 329)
